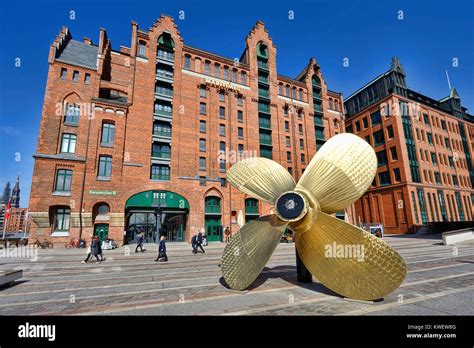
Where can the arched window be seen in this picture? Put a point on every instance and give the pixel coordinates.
(262, 50)
(316, 81)
(212, 205)
(165, 47)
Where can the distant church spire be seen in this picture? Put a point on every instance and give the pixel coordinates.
(6, 194)
(15, 200)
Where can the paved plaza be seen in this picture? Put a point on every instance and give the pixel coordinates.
(440, 281)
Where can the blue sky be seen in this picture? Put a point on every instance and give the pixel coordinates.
(369, 33)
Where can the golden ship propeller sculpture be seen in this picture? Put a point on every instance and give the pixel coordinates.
(338, 175)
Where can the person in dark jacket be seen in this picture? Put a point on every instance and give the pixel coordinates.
(199, 241)
(162, 251)
(95, 248)
(140, 243)
(194, 243)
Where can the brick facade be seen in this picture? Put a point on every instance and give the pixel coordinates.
(159, 84)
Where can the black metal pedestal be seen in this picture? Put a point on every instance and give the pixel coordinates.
(303, 274)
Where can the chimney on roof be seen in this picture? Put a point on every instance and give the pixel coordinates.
(87, 41)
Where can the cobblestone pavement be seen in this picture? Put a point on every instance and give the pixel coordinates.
(440, 281)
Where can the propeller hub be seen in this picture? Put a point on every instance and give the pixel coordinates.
(291, 206)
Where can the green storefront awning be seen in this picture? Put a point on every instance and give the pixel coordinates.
(157, 198)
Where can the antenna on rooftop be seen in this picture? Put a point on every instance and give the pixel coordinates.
(447, 76)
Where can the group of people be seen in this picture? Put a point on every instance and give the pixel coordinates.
(197, 242)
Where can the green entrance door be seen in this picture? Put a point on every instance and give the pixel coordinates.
(213, 227)
(101, 231)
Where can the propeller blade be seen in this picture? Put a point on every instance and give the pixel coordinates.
(349, 260)
(340, 172)
(247, 253)
(260, 178)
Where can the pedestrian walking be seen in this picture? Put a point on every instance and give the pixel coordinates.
(227, 234)
(162, 257)
(89, 250)
(194, 243)
(95, 250)
(140, 243)
(199, 241)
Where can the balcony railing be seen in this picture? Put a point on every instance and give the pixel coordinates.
(212, 209)
(252, 210)
(262, 65)
(317, 108)
(165, 74)
(162, 112)
(265, 140)
(264, 123)
(161, 133)
(168, 56)
(161, 154)
(164, 91)
(263, 93)
(266, 153)
(264, 108)
(318, 121)
(263, 79)
(160, 177)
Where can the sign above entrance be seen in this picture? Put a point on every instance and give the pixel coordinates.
(102, 192)
(159, 199)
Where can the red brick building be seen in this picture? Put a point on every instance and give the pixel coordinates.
(17, 220)
(138, 140)
(424, 149)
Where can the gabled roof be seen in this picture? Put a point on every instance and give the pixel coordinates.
(80, 54)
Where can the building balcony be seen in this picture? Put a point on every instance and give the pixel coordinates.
(264, 80)
(262, 65)
(264, 108)
(164, 75)
(262, 93)
(212, 209)
(266, 141)
(165, 57)
(264, 123)
(162, 113)
(318, 121)
(161, 155)
(251, 210)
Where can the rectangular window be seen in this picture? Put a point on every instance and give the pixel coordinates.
(222, 112)
(68, 143)
(357, 126)
(234, 75)
(415, 210)
(300, 94)
(287, 126)
(393, 152)
(226, 73)
(455, 180)
(288, 142)
(365, 121)
(142, 49)
(105, 167)
(87, 78)
(303, 158)
(239, 100)
(433, 159)
(61, 219)
(207, 68)
(240, 116)
(384, 178)
(378, 138)
(243, 78)
(75, 76)
(216, 70)
(241, 148)
(222, 129)
(426, 119)
(187, 62)
(376, 118)
(72, 114)
(421, 201)
(240, 132)
(300, 129)
(288, 156)
(381, 158)
(301, 144)
(430, 138)
(443, 125)
(63, 73)
(160, 172)
(202, 126)
(459, 203)
(202, 144)
(396, 175)
(202, 163)
(437, 178)
(221, 96)
(63, 180)
(202, 108)
(451, 161)
(390, 132)
(202, 91)
(446, 142)
(108, 134)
